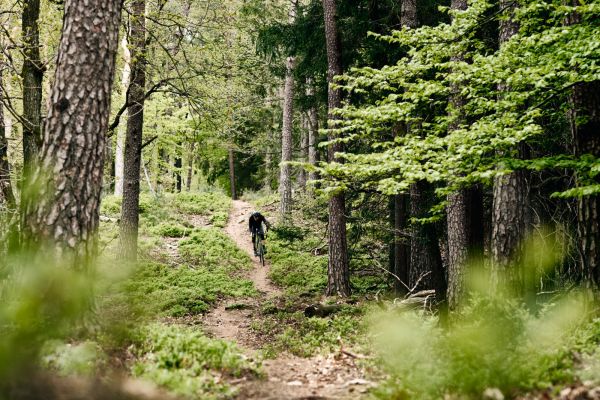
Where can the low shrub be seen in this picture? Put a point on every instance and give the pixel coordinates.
(188, 363)
(157, 288)
(495, 343)
(206, 203)
(210, 247)
(172, 229)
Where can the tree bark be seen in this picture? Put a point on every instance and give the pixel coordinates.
(408, 13)
(303, 152)
(401, 249)
(232, 174)
(313, 130)
(32, 74)
(7, 198)
(122, 130)
(285, 178)
(338, 281)
(464, 211)
(135, 125)
(585, 130)
(510, 204)
(64, 208)
(465, 238)
(190, 171)
(426, 269)
(178, 166)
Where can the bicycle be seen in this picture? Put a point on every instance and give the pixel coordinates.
(259, 247)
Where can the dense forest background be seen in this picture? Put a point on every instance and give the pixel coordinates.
(430, 169)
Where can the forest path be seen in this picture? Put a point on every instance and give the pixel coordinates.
(287, 377)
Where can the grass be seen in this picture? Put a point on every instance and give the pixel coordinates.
(186, 362)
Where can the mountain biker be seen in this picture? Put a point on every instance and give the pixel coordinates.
(255, 225)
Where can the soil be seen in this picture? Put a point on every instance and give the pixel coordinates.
(332, 376)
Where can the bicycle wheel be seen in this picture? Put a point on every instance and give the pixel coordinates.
(261, 252)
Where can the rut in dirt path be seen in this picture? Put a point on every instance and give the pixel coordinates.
(287, 376)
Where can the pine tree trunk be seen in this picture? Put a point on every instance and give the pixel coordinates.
(303, 152)
(232, 174)
(178, 167)
(460, 214)
(64, 210)
(408, 13)
(401, 249)
(338, 271)
(122, 130)
(313, 130)
(426, 269)
(285, 178)
(133, 141)
(510, 205)
(32, 74)
(190, 172)
(7, 198)
(585, 130)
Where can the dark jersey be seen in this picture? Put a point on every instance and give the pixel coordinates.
(255, 224)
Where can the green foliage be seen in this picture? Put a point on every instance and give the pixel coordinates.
(211, 247)
(292, 264)
(73, 359)
(172, 229)
(531, 74)
(294, 333)
(215, 204)
(168, 291)
(40, 299)
(496, 343)
(188, 363)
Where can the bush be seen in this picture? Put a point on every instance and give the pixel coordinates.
(188, 363)
(305, 337)
(292, 266)
(202, 203)
(157, 288)
(496, 343)
(172, 229)
(210, 247)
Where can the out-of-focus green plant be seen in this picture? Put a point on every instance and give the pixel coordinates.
(497, 339)
(39, 300)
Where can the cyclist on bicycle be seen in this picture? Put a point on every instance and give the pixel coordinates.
(256, 226)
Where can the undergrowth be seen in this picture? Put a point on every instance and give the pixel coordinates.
(183, 360)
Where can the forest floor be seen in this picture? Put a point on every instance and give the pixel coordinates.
(331, 376)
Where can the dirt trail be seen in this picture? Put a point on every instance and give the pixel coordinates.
(287, 377)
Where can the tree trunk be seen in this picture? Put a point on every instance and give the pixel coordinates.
(232, 174)
(285, 178)
(64, 209)
(338, 271)
(7, 198)
(303, 152)
(313, 130)
(426, 269)
(32, 74)
(461, 210)
(190, 171)
(122, 130)
(585, 130)
(510, 205)
(408, 13)
(401, 249)
(178, 166)
(133, 141)
(465, 238)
